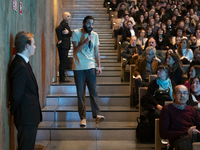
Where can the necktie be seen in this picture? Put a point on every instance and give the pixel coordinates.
(30, 66)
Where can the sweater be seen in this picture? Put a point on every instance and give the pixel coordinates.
(175, 122)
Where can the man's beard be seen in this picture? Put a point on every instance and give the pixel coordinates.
(86, 29)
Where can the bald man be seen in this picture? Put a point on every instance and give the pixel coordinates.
(179, 120)
(64, 33)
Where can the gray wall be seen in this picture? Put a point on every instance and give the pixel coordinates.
(40, 18)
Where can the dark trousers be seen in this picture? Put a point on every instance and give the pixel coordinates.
(139, 83)
(63, 56)
(83, 78)
(26, 136)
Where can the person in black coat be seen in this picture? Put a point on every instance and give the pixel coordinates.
(162, 42)
(129, 31)
(64, 33)
(24, 97)
(176, 71)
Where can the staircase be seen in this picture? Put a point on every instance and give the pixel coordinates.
(60, 128)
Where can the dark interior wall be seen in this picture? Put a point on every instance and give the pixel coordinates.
(39, 18)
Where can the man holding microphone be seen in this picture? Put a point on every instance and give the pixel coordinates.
(85, 52)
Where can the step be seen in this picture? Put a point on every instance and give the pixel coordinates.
(102, 101)
(96, 22)
(102, 54)
(103, 88)
(95, 145)
(77, 26)
(73, 8)
(107, 51)
(104, 131)
(104, 40)
(106, 36)
(70, 113)
(105, 48)
(101, 79)
(86, 3)
(96, 19)
(110, 64)
(104, 72)
(87, 12)
(108, 57)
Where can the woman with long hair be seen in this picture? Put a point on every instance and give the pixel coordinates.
(176, 71)
(193, 72)
(162, 42)
(185, 54)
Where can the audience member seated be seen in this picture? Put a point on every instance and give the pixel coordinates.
(126, 5)
(194, 17)
(152, 25)
(146, 17)
(129, 32)
(141, 39)
(169, 51)
(194, 98)
(163, 26)
(113, 5)
(162, 42)
(169, 29)
(179, 33)
(149, 32)
(121, 10)
(176, 72)
(198, 37)
(178, 121)
(159, 91)
(193, 72)
(188, 29)
(127, 18)
(185, 54)
(132, 13)
(144, 67)
(140, 23)
(157, 20)
(178, 15)
(141, 10)
(132, 52)
(175, 46)
(132, 5)
(193, 43)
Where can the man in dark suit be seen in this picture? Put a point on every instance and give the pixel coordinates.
(24, 100)
(64, 33)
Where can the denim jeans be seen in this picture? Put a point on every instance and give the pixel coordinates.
(83, 78)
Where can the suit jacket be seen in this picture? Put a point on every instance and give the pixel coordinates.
(24, 98)
(64, 37)
(127, 33)
(141, 64)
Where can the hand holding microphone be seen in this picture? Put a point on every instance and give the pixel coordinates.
(89, 35)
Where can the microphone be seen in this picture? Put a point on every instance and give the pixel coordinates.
(90, 39)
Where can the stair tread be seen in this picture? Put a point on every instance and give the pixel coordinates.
(88, 108)
(99, 84)
(87, 95)
(90, 125)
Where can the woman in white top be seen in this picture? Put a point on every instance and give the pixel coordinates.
(185, 54)
(141, 39)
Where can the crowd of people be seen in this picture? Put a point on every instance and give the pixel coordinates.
(148, 28)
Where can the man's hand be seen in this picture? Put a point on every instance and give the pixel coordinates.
(98, 71)
(134, 55)
(159, 107)
(156, 59)
(59, 41)
(65, 31)
(192, 130)
(138, 77)
(88, 39)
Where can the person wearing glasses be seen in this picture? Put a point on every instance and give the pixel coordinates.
(179, 121)
(143, 68)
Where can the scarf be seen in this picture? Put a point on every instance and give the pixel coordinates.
(164, 85)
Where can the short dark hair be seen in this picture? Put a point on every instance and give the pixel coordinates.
(86, 18)
(21, 39)
(165, 68)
